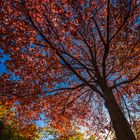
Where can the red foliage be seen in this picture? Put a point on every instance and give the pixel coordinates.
(91, 46)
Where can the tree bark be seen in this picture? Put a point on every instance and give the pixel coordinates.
(121, 126)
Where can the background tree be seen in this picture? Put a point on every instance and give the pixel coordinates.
(8, 133)
(11, 128)
(85, 53)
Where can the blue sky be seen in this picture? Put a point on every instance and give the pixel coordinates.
(3, 59)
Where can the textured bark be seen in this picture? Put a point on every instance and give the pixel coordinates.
(121, 126)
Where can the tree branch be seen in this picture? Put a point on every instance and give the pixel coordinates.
(127, 81)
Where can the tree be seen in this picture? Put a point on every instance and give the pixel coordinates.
(83, 52)
(8, 133)
(11, 128)
(92, 137)
(51, 132)
(76, 136)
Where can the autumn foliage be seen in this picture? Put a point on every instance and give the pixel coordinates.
(72, 59)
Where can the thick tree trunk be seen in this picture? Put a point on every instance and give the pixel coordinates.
(120, 124)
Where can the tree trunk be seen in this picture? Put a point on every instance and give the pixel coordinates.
(120, 124)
